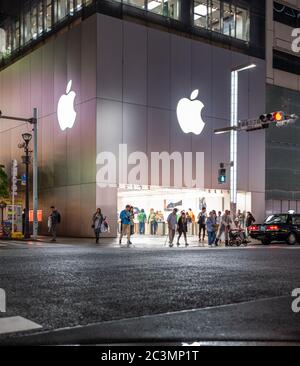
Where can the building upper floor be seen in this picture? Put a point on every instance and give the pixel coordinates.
(283, 43)
(235, 24)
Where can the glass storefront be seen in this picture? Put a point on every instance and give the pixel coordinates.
(222, 17)
(162, 201)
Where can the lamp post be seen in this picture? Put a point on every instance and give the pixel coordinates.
(26, 160)
(233, 132)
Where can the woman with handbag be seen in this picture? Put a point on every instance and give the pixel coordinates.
(97, 221)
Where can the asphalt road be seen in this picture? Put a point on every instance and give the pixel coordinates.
(196, 293)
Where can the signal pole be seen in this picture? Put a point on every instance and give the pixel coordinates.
(35, 174)
(33, 121)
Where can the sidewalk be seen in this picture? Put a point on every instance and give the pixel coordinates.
(139, 241)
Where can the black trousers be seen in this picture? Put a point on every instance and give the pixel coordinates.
(184, 235)
(201, 229)
(97, 233)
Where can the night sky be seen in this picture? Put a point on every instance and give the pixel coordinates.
(9, 7)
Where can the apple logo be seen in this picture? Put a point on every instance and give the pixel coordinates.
(189, 114)
(65, 109)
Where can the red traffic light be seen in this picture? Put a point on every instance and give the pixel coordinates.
(278, 116)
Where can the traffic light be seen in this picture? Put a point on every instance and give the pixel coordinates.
(277, 117)
(222, 174)
(266, 119)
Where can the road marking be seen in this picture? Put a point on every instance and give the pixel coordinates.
(16, 324)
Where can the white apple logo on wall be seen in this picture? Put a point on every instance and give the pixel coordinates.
(65, 109)
(189, 114)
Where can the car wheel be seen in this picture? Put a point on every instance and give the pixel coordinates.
(265, 242)
(291, 239)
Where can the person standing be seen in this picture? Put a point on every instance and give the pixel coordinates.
(131, 220)
(97, 221)
(224, 228)
(54, 220)
(172, 224)
(152, 221)
(218, 221)
(201, 223)
(125, 217)
(191, 215)
(142, 218)
(210, 227)
(249, 219)
(23, 221)
(182, 228)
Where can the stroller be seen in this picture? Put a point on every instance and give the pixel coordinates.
(237, 237)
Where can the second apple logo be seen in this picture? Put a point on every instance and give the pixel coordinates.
(189, 114)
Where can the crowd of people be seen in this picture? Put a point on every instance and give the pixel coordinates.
(216, 226)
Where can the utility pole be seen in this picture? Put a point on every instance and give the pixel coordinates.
(26, 160)
(35, 174)
(33, 121)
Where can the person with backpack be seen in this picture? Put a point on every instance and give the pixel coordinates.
(54, 220)
(201, 223)
(125, 217)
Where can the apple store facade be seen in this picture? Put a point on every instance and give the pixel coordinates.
(111, 94)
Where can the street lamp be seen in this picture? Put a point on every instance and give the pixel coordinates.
(233, 133)
(26, 160)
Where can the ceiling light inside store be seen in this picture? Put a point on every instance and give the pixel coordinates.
(200, 10)
(154, 4)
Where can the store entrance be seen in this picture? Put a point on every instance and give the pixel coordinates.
(158, 202)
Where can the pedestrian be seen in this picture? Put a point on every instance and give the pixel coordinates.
(201, 223)
(218, 220)
(23, 221)
(249, 219)
(182, 228)
(97, 221)
(152, 221)
(142, 218)
(125, 217)
(131, 220)
(191, 215)
(211, 227)
(224, 228)
(54, 220)
(172, 224)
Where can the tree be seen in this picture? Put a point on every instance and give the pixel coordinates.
(4, 193)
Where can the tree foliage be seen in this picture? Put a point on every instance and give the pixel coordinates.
(4, 192)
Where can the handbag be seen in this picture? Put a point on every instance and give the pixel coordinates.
(104, 227)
